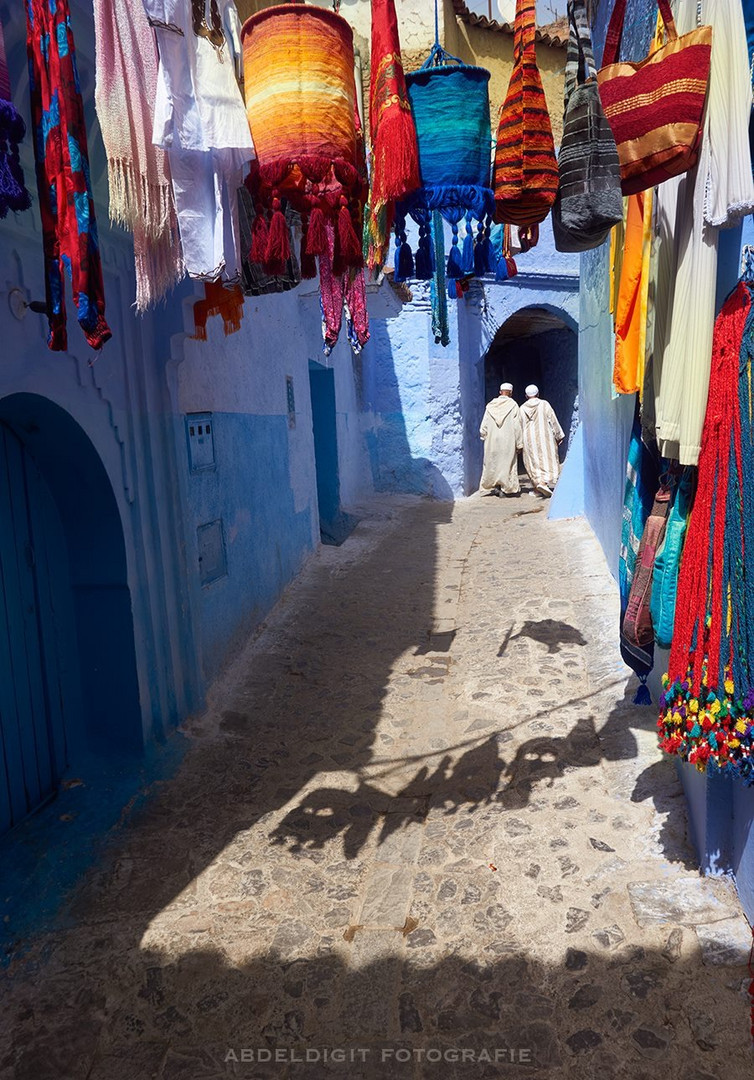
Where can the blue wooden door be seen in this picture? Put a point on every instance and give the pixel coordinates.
(33, 614)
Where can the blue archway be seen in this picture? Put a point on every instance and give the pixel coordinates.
(64, 561)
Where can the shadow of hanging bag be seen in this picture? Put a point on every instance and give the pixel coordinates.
(589, 200)
(526, 169)
(656, 107)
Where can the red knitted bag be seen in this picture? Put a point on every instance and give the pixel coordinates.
(656, 107)
(526, 169)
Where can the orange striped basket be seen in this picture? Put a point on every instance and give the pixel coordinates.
(526, 169)
(301, 106)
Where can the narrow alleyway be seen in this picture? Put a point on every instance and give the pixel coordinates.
(420, 815)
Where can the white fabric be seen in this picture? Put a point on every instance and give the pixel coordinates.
(198, 104)
(719, 190)
(205, 186)
(506, 386)
(531, 390)
(541, 434)
(501, 431)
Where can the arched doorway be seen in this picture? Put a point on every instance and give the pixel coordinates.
(68, 679)
(537, 345)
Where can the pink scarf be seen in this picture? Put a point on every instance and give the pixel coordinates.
(141, 197)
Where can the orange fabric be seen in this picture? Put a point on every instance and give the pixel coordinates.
(219, 299)
(631, 307)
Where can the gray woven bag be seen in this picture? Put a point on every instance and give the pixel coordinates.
(589, 200)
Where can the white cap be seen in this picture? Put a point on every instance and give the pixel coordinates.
(532, 390)
(506, 386)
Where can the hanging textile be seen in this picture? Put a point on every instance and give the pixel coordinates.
(633, 291)
(642, 481)
(200, 120)
(219, 299)
(451, 109)
(69, 226)
(720, 185)
(395, 155)
(301, 107)
(589, 200)
(141, 199)
(13, 193)
(526, 169)
(339, 292)
(707, 708)
(438, 294)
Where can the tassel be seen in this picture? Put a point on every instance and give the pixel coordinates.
(501, 270)
(424, 269)
(467, 254)
(308, 265)
(404, 262)
(278, 242)
(643, 696)
(454, 268)
(316, 237)
(350, 248)
(259, 238)
(483, 257)
(395, 157)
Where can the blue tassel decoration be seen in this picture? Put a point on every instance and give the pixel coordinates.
(643, 696)
(404, 258)
(425, 264)
(455, 268)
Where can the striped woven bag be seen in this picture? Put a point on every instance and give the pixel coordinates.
(656, 107)
(526, 170)
(589, 200)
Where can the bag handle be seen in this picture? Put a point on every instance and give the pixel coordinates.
(524, 27)
(580, 66)
(615, 30)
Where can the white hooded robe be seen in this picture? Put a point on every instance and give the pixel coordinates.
(501, 431)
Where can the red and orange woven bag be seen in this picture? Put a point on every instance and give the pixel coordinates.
(656, 107)
(526, 169)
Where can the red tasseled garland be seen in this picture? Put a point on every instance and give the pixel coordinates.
(706, 537)
(278, 242)
(395, 157)
(316, 237)
(350, 245)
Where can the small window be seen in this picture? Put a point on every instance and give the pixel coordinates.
(201, 447)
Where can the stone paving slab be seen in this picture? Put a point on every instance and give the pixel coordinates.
(421, 831)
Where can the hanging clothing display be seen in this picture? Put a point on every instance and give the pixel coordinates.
(632, 296)
(339, 293)
(707, 708)
(642, 481)
(199, 118)
(13, 193)
(69, 226)
(395, 155)
(141, 199)
(689, 211)
(301, 107)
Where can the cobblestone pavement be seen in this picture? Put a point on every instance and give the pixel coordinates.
(420, 818)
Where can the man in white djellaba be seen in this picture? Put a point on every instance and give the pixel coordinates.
(541, 436)
(501, 432)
